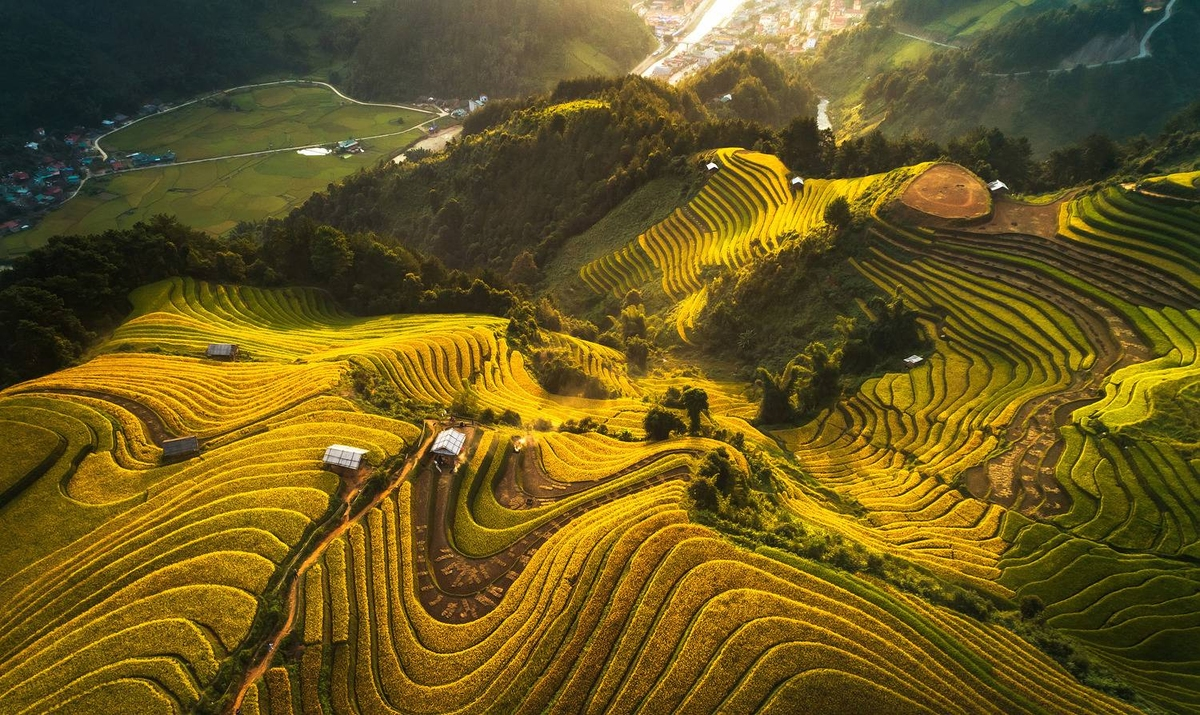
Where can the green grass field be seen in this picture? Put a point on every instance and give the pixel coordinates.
(215, 196)
(265, 118)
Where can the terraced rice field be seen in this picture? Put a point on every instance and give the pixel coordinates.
(742, 212)
(1027, 455)
(1053, 356)
(634, 608)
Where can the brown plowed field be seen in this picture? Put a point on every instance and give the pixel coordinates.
(948, 191)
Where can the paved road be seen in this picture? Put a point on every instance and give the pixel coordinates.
(1143, 49)
(305, 82)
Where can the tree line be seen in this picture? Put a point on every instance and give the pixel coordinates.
(57, 299)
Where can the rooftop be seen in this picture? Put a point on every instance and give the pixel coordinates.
(339, 455)
(180, 446)
(449, 443)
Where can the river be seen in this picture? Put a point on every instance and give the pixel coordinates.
(823, 115)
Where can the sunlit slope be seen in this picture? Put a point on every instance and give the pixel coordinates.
(430, 358)
(138, 614)
(635, 609)
(1061, 382)
(744, 209)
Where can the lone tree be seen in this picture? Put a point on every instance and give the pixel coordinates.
(1032, 608)
(695, 401)
(837, 213)
(776, 405)
(660, 423)
(820, 373)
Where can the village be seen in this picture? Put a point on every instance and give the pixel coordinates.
(778, 27)
(48, 169)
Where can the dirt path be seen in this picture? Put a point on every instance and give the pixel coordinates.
(433, 143)
(155, 424)
(456, 588)
(339, 521)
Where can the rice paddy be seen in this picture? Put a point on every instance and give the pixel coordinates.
(216, 195)
(1033, 452)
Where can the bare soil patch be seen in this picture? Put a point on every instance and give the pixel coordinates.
(948, 191)
(1009, 216)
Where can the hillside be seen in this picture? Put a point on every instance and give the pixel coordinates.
(72, 68)
(181, 550)
(453, 48)
(1011, 519)
(940, 69)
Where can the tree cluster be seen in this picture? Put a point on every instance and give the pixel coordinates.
(55, 299)
(73, 65)
(759, 89)
(465, 48)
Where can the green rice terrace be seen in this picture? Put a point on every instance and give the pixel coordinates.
(1017, 515)
(246, 164)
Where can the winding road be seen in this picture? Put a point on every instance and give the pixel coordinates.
(1143, 49)
(304, 82)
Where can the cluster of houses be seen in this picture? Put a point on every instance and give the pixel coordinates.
(667, 18)
(460, 111)
(775, 26)
(786, 26)
(47, 169)
(27, 191)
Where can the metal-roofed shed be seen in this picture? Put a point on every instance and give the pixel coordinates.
(712, 166)
(180, 447)
(797, 183)
(913, 360)
(448, 443)
(225, 351)
(344, 458)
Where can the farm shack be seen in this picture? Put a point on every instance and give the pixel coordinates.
(997, 186)
(448, 445)
(797, 183)
(913, 360)
(180, 448)
(343, 460)
(222, 351)
(712, 166)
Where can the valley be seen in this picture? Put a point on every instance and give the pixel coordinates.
(709, 387)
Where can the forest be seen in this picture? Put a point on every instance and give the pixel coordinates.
(461, 48)
(1000, 77)
(70, 65)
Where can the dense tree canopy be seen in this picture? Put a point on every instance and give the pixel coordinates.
(460, 48)
(69, 64)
